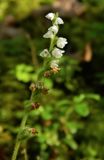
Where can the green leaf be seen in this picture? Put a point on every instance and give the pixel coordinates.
(73, 126)
(79, 98)
(63, 103)
(82, 109)
(46, 115)
(23, 72)
(71, 142)
(93, 96)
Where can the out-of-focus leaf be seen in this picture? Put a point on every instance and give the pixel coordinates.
(71, 142)
(24, 72)
(82, 109)
(73, 127)
(79, 98)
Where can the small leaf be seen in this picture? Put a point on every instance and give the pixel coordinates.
(93, 96)
(73, 126)
(71, 142)
(79, 98)
(46, 116)
(82, 109)
(23, 72)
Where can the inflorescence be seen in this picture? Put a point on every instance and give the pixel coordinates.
(55, 52)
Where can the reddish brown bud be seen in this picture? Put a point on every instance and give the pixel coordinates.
(35, 105)
(34, 131)
(32, 87)
(47, 74)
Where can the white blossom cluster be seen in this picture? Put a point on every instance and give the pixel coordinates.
(59, 43)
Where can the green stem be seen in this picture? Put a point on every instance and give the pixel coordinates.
(16, 148)
(18, 142)
(52, 43)
(25, 153)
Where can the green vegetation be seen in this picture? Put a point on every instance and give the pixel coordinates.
(70, 121)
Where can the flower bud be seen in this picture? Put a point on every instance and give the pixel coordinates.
(32, 131)
(35, 105)
(27, 132)
(32, 87)
(47, 74)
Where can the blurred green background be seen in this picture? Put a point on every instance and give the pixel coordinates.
(71, 121)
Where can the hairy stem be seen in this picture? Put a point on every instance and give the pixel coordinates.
(18, 142)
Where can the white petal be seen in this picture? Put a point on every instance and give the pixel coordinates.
(54, 29)
(49, 34)
(61, 42)
(54, 64)
(57, 53)
(45, 53)
(59, 21)
(50, 16)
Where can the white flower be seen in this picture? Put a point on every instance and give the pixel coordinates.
(54, 64)
(57, 53)
(61, 42)
(59, 21)
(54, 29)
(50, 16)
(49, 34)
(45, 53)
(51, 31)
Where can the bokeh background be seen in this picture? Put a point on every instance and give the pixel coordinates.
(71, 121)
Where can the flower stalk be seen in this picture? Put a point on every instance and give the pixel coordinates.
(18, 142)
(50, 66)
